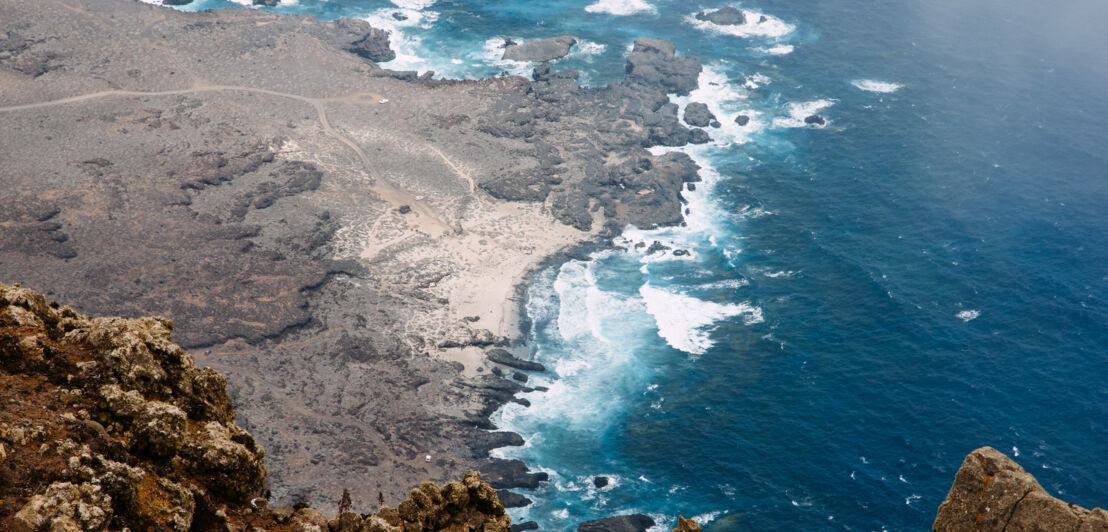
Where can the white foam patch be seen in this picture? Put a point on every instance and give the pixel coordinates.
(493, 54)
(780, 49)
(588, 49)
(684, 322)
(414, 4)
(873, 85)
(798, 111)
(752, 26)
(756, 80)
(968, 315)
(620, 7)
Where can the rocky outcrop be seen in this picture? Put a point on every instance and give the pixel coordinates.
(115, 422)
(993, 493)
(654, 62)
(501, 356)
(374, 46)
(697, 114)
(108, 422)
(726, 16)
(539, 50)
(621, 523)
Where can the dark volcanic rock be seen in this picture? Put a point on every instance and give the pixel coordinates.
(993, 493)
(653, 62)
(374, 46)
(176, 2)
(526, 525)
(538, 50)
(600, 481)
(727, 16)
(697, 114)
(815, 120)
(511, 499)
(267, 3)
(742, 120)
(622, 523)
(501, 356)
(399, 16)
(508, 474)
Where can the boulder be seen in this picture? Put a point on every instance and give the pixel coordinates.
(66, 506)
(993, 493)
(742, 120)
(622, 523)
(815, 120)
(697, 114)
(374, 46)
(726, 16)
(267, 3)
(539, 50)
(600, 481)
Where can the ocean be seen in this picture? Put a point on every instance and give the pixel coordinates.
(856, 305)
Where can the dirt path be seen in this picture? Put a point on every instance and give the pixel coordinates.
(427, 219)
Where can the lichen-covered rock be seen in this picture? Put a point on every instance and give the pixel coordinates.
(309, 520)
(163, 504)
(991, 492)
(160, 429)
(466, 505)
(122, 404)
(127, 348)
(66, 507)
(230, 456)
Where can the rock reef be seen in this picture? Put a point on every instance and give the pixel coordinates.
(993, 493)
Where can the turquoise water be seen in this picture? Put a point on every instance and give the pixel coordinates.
(864, 303)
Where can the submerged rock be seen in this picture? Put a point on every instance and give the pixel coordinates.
(726, 16)
(993, 493)
(539, 50)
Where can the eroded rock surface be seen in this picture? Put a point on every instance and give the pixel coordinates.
(993, 493)
(538, 50)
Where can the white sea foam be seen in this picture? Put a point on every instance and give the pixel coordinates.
(414, 4)
(404, 38)
(780, 49)
(772, 27)
(798, 111)
(872, 85)
(756, 80)
(684, 321)
(620, 7)
(968, 315)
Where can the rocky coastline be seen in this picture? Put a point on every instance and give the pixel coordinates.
(343, 241)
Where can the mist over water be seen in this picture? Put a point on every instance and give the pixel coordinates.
(861, 303)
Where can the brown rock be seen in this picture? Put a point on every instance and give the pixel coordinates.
(991, 492)
(686, 525)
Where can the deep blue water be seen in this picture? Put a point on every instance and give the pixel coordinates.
(865, 303)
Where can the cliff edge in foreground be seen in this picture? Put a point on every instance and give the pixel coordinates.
(108, 424)
(992, 492)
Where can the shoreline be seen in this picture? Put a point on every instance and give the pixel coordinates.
(293, 243)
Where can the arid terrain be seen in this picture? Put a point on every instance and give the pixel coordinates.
(343, 242)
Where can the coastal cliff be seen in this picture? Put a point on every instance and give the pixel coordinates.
(993, 493)
(108, 424)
